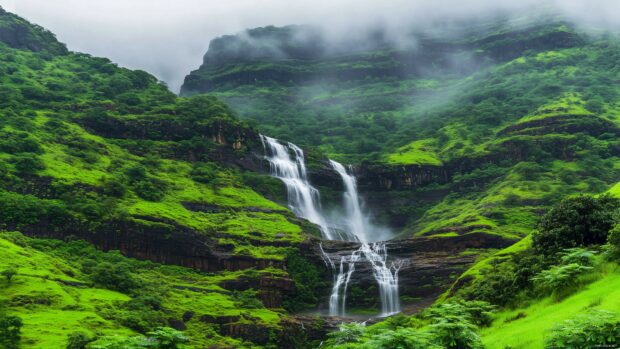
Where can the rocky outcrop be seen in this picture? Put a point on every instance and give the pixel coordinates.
(429, 265)
(162, 242)
(271, 288)
(398, 177)
(588, 124)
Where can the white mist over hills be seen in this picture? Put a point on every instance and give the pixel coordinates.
(168, 38)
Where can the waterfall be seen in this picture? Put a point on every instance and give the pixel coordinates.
(303, 198)
(360, 228)
(353, 225)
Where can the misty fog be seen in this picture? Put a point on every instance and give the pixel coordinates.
(169, 38)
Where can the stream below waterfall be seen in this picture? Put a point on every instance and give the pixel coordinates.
(351, 223)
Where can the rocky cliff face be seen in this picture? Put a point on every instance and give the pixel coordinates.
(430, 265)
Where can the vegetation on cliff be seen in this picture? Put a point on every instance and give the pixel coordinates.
(93, 152)
(508, 117)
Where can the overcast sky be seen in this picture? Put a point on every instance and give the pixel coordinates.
(169, 37)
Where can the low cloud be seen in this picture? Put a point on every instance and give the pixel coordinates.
(169, 37)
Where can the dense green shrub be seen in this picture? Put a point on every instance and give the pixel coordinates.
(27, 164)
(402, 338)
(454, 333)
(475, 312)
(204, 172)
(161, 338)
(309, 284)
(247, 299)
(577, 221)
(347, 333)
(78, 340)
(614, 241)
(502, 282)
(168, 338)
(594, 329)
(10, 331)
(9, 273)
(151, 189)
(17, 210)
(143, 313)
(116, 276)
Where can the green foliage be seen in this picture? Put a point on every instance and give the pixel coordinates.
(18, 209)
(475, 312)
(453, 333)
(247, 299)
(10, 331)
(27, 164)
(9, 273)
(560, 278)
(502, 282)
(309, 282)
(161, 338)
(614, 241)
(589, 330)
(402, 338)
(347, 333)
(577, 221)
(78, 340)
(168, 338)
(115, 276)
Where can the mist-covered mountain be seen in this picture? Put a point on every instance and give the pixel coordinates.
(464, 128)
(134, 218)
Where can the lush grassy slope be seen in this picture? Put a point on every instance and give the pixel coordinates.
(92, 151)
(526, 327)
(54, 294)
(57, 144)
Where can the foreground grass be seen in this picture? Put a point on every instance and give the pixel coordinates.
(527, 327)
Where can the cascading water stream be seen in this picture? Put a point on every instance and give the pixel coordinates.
(374, 253)
(304, 200)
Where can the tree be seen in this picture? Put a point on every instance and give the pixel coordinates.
(168, 338)
(402, 338)
(114, 276)
(348, 333)
(9, 273)
(10, 331)
(578, 221)
(78, 340)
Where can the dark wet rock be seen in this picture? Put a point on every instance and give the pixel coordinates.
(251, 332)
(430, 265)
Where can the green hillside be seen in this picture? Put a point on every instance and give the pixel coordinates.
(514, 115)
(91, 151)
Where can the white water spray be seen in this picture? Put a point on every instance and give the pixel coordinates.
(375, 253)
(304, 200)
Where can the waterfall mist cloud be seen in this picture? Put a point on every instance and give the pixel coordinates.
(168, 38)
